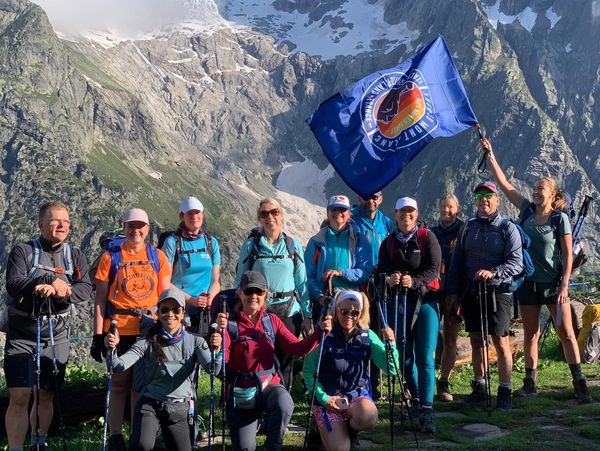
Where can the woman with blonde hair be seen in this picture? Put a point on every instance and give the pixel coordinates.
(344, 404)
(447, 232)
(280, 259)
(551, 251)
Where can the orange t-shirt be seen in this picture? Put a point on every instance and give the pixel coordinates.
(136, 285)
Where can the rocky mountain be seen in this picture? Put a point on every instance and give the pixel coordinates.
(209, 98)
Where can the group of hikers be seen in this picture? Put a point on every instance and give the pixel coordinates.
(366, 296)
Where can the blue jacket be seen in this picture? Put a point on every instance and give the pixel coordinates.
(375, 231)
(483, 244)
(315, 255)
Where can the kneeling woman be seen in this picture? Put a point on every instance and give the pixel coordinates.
(254, 385)
(170, 356)
(344, 405)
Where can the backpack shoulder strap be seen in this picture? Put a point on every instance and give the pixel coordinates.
(529, 211)
(291, 248)
(255, 249)
(115, 260)
(232, 329)
(209, 244)
(267, 323)
(68, 259)
(152, 253)
(422, 234)
(36, 256)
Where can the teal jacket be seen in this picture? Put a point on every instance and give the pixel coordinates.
(360, 265)
(282, 274)
(375, 231)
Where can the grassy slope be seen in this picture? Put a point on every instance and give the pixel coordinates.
(549, 421)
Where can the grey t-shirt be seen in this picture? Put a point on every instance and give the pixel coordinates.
(543, 248)
(172, 379)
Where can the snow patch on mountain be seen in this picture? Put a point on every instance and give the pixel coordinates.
(341, 27)
(336, 28)
(301, 191)
(526, 18)
(552, 17)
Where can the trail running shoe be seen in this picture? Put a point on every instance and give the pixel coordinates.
(581, 391)
(116, 443)
(426, 421)
(503, 401)
(528, 388)
(443, 391)
(478, 394)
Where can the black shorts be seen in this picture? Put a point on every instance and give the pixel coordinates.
(20, 364)
(499, 316)
(537, 293)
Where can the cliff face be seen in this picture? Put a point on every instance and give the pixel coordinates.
(220, 114)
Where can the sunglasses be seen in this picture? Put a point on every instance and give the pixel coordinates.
(338, 210)
(264, 214)
(348, 312)
(251, 291)
(165, 309)
(479, 196)
(372, 197)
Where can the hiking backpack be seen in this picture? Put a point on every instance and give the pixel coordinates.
(34, 264)
(254, 255)
(109, 241)
(528, 268)
(422, 235)
(179, 244)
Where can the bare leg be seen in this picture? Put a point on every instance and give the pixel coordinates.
(46, 411)
(121, 384)
(337, 439)
(448, 360)
(531, 333)
(16, 416)
(502, 345)
(363, 415)
(477, 351)
(565, 333)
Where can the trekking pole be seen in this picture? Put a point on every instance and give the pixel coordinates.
(327, 311)
(482, 166)
(223, 300)
(38, 370)
(61, 422)
(109, 362)
(485, 329)
(390, 353)
(211, 411)
(403, 364)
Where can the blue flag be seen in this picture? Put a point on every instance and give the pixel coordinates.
(372, 129)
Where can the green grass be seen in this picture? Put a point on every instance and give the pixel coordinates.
(552, 420)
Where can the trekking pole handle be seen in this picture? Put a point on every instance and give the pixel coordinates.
(223, 300)
(113, 326)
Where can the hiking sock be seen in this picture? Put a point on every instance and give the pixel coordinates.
(531, 373)
(41, 439)
(504, 384)
(576, 371)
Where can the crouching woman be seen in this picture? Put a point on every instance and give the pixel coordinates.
(254, 385)
(344, 404)
(170, 356)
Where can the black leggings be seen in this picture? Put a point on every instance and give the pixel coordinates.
(171, 417)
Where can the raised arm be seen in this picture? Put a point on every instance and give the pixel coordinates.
(507, 188)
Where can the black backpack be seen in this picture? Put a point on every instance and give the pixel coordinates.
(179, 244)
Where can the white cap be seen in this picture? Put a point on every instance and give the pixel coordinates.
(350, 295)
(135, 214)
(339, 201)
(190, 203)
(406, 202)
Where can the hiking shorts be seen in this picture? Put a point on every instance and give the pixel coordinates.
(537, 293)
(498, 318)
(20, 364)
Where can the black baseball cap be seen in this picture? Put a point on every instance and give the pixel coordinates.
(253, 279)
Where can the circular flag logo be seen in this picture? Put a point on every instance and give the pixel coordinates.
(397, 110)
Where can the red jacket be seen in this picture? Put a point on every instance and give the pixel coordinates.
(255, 355)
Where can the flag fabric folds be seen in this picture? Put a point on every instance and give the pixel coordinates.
(372, 129)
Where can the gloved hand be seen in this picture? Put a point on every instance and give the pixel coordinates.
(97, 348)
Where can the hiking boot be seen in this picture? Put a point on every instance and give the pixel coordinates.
(116, 443)
(426, 421)
(443, 391)
(478, 394)
(528, 388)
(353, 436)
(503, 400)
(581, 391)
